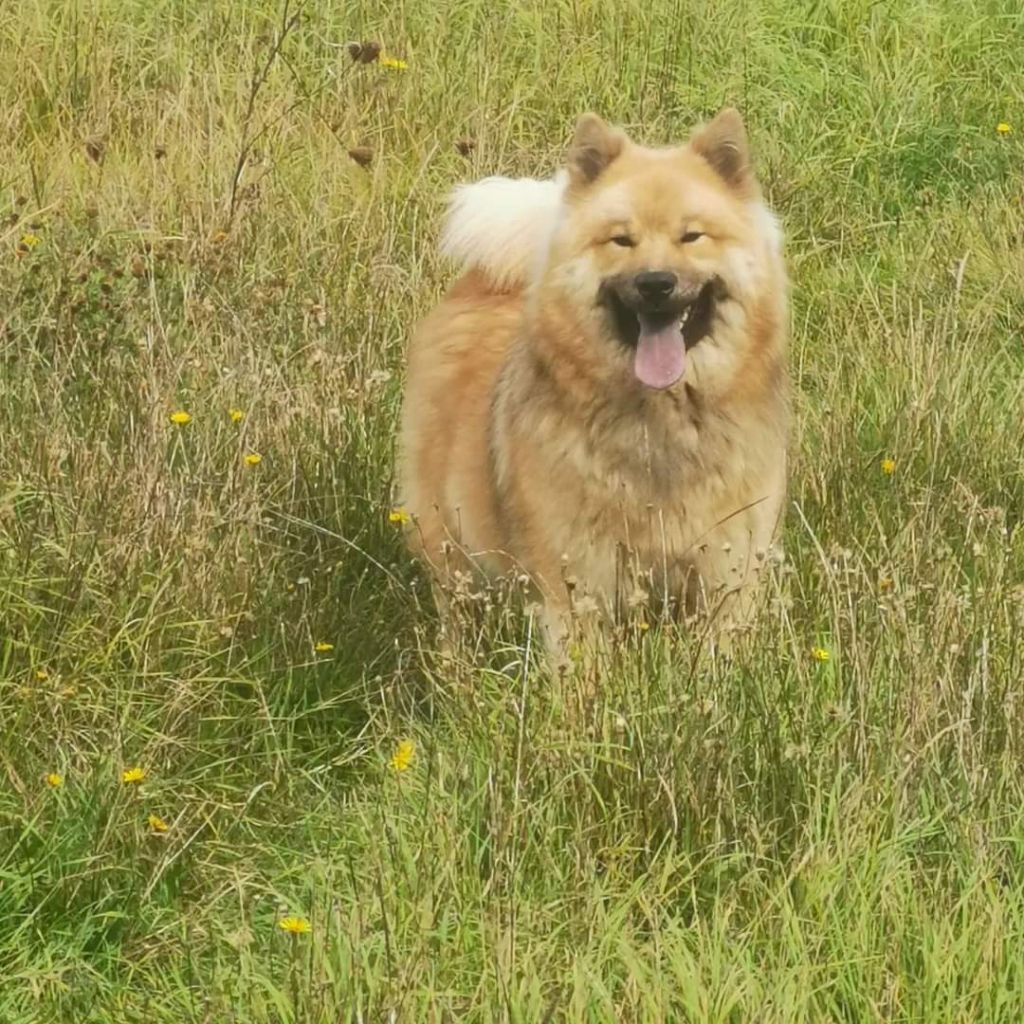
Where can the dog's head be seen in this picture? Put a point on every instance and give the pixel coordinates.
(654, 241)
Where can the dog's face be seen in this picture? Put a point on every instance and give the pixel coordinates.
(655, 241)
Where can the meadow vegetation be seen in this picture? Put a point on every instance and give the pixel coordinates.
(235, 782)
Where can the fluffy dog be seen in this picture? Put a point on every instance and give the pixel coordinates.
(599, 401)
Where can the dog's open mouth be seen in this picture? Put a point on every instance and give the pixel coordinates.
(660, 338)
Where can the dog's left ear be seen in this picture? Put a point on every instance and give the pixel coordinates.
(723, 143)
(594, 146)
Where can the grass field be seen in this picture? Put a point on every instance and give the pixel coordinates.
(784, 838)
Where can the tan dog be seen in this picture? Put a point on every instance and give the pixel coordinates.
(602, 395)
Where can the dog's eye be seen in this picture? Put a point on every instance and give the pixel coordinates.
(691, 236)
(624, 240)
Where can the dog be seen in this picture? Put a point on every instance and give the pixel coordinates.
(600, 401)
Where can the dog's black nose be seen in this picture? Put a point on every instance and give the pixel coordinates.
(654, 285)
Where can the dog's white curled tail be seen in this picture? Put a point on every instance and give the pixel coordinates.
(500, 226)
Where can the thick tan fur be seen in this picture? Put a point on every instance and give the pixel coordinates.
(528, 441)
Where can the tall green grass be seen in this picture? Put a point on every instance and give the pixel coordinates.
(777, 839)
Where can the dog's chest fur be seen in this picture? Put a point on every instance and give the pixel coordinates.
(651, 478)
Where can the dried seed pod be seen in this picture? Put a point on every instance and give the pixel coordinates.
(95, 148)
(362, 155)
(364, 53)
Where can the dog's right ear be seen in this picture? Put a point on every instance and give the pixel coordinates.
(723, 143)
(594, 146)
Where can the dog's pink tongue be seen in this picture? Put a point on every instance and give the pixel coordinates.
(660, 354)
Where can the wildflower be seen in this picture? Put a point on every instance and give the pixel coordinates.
(295, 925)
(885, 583)
(402, 757)
(323, 647)
(399, 516)
(42, 675)
(888, 466)
(53, 780)
(394, 63)
(643, 626)
(130, 775)
(181, 418)
(253, 459)
(1003, 128)
(156, 823)
(236, 415)
(820, 654)
(29, 241)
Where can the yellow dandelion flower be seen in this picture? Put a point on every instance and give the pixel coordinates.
(42, 675)
(1003, 128)
(156, 823)
(181, 418)
(820, 654)
(394, 63)
(885, 583)
(29, 241)
(53, 780)
(888, 466)
(253, 459)
(643, 626)
(236, 415)
(402, 757)
(399, 515)
(130, 775)
(294, 925)
(323, 647)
